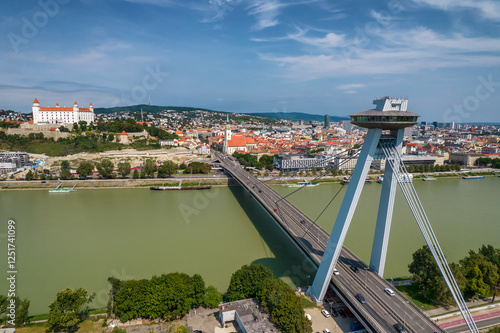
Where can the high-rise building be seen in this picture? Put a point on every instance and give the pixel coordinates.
(327, 121)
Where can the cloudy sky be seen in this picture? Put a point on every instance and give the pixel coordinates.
(316, 56)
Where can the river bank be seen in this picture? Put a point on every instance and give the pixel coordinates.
(218, 179)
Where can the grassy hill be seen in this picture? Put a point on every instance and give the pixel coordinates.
(293, 116)
(148, 109)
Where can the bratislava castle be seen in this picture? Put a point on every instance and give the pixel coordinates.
(61, 115)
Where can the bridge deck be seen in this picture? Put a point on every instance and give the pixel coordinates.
(381, 311)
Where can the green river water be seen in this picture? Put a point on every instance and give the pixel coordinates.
(81, 238)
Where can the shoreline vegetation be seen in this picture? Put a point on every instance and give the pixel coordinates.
(214, 180)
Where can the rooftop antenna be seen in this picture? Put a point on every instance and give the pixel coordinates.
(149, 99)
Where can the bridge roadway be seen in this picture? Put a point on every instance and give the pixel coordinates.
(381, 311)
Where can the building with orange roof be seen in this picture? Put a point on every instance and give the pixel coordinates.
(43, 115)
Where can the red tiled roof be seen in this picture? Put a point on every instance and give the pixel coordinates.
(237, 141)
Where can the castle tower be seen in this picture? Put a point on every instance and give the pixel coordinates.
(36, 111)
(75, 112)
(227, 137)
(389, 115)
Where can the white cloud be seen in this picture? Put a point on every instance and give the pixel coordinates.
(329, 40)
(350, 86)
(391, 52)
(489, 9)
(266, 12)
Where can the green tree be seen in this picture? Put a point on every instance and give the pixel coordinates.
(149, 168)
(65, 165)
(124, 169)
(22, 311)
(135, 174)
(29, 175)
(105, 168)
(167, 169)
(426, 273)
(67, 310)
(481, 275)
(66, 174)
(286, 309)
(212, 297)
(248, 281)
(85, 169)
(267, 161)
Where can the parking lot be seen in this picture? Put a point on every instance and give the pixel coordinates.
(335, 324)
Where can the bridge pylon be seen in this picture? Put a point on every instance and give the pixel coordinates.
(390, 114)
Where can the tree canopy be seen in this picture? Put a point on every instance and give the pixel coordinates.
(67, 310)
(167, 169)
(197, 167)
(286, 309)
(248, 281)
(478, 274)
(85, 169)
(167, 296)
(105, 168)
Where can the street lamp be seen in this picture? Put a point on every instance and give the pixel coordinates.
(366, 274)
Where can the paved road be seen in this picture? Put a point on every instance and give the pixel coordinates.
(381, 311)
(482, 320)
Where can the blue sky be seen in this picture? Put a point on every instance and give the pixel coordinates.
(314, 56)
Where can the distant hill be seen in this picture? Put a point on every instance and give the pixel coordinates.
(148, 108)
(294, 116)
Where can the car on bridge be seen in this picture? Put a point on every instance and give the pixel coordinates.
(354, 268)
(389, 291)
(399, 328)
(361, 299)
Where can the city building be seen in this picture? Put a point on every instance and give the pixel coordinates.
(246, 316)
(327, 121)
(43, 115)
(10, 161)
(299, 162)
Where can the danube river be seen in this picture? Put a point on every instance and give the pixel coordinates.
(81, 238)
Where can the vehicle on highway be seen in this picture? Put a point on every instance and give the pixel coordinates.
(335, 271)
(361, 299)
(399, 328)
(325, 313)
(342, 313)
(389, 291)
(355, 269)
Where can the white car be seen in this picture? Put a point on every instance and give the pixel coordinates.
(326, 330)
(308, 316)
(325, 313)
(335, 271)
(389, 291)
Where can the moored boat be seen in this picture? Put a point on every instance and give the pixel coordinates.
(472, 177)
(60, 189)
